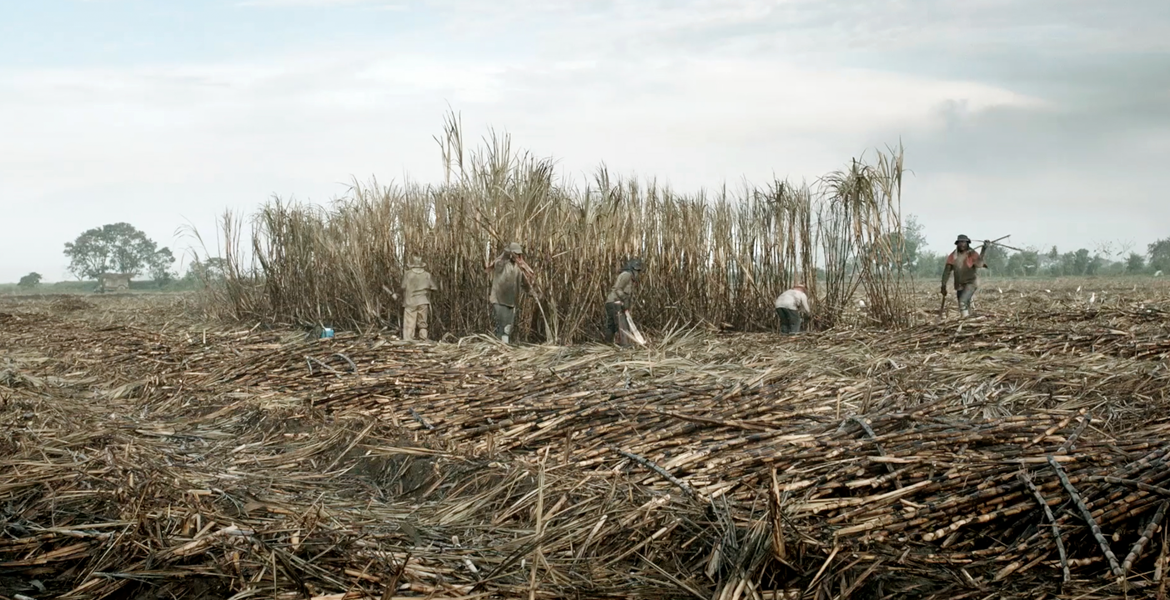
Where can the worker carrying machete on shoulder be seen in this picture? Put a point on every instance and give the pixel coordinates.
(964, 263)
(510, 274)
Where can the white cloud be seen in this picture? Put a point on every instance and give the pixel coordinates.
(142, 139)
(828, 26)
(692, 91)
(118, 120)
(321, 3)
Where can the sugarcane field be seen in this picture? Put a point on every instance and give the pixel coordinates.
(336, 413)
(589, 300)
(504, 387)
(149, 453)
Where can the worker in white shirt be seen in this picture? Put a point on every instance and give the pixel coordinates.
(790, 306)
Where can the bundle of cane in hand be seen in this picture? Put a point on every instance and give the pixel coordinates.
(527, 270)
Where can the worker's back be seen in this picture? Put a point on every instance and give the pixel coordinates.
(416, 284)
(793, 299)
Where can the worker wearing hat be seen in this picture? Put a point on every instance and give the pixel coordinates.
(790, 306)
(964, 263)
(417, 284)
(510, 274)
(618, 301)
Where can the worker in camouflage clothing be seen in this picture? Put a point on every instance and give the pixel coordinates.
(618, 302)
(417, 284)
(964, 263)
(510, 274)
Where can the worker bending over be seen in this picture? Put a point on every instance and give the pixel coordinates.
(618, 302)
(790, 306)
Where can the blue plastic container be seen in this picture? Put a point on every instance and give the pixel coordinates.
(327, 333)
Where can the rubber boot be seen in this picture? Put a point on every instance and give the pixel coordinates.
(964, 313)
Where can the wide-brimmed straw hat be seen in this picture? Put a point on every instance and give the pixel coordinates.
(515, 248)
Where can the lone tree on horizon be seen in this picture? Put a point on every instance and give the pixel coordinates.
(31, 280)
(116, 248)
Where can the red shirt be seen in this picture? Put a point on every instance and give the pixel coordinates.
(964, 264)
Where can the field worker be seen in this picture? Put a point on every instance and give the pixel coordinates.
(964, 263)
(790, 306)
(417, 284)
(619, 300)
(509, 274)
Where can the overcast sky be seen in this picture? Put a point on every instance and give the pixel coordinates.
(1045, 119)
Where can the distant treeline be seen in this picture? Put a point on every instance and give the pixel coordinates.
(186, 283)
(1103, 260)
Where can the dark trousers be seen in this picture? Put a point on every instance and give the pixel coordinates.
(615, 322)
(964, 296)
(789, 320)
(504, 318)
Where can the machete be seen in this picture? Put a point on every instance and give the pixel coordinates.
(634, 333)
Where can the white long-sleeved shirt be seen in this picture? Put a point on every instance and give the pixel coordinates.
(793, 300)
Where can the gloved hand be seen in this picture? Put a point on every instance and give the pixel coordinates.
(944, 289)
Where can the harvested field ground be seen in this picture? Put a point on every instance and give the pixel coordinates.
(147, 454)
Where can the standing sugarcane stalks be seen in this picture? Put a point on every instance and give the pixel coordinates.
(712, 258)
